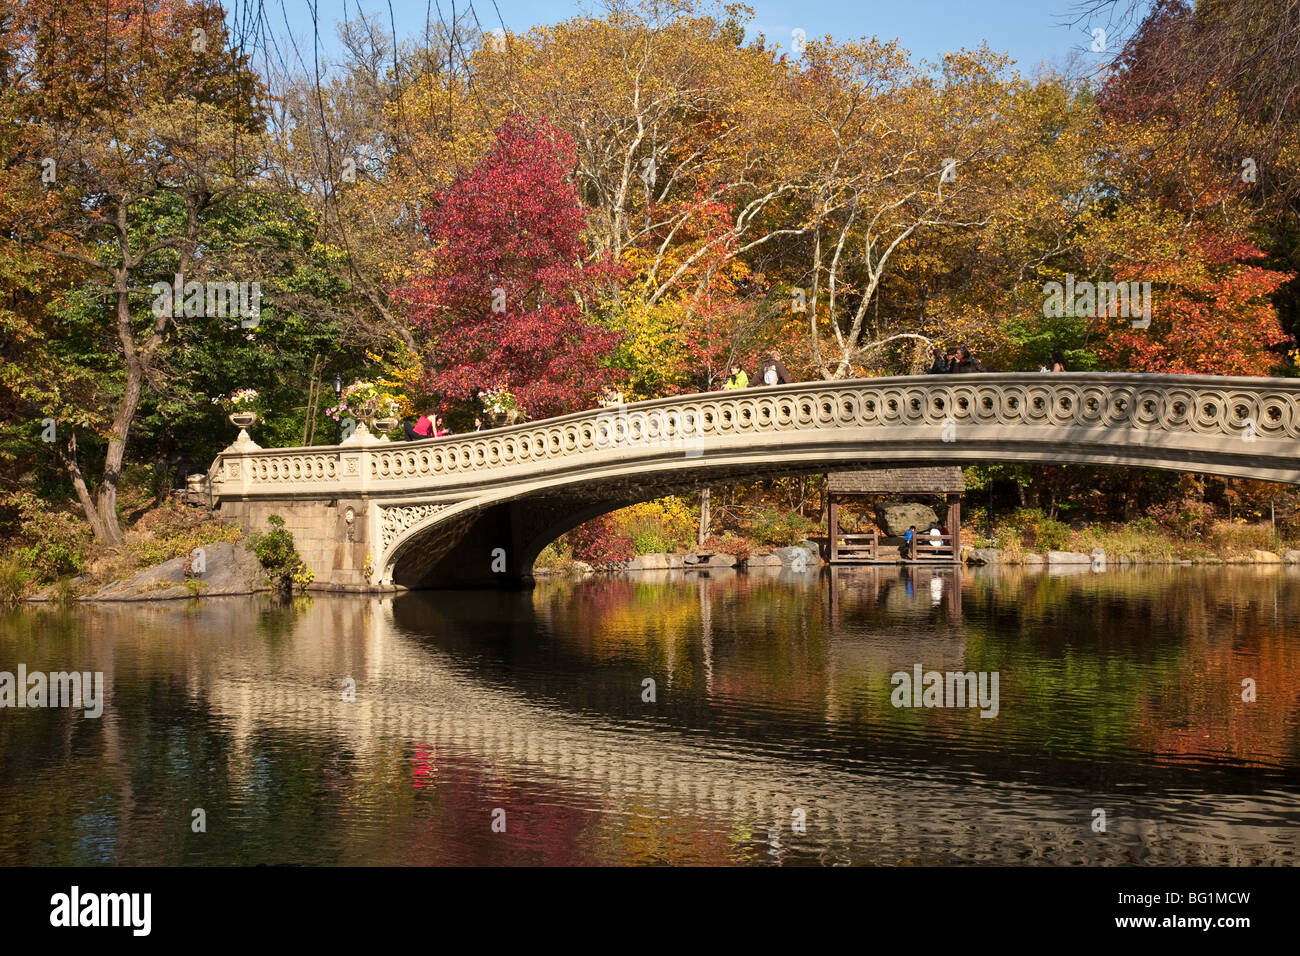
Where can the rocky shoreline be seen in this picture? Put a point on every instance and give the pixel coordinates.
(228, 569)
(991, 556)
(231, 569)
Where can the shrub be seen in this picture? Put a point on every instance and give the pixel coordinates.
(1142, 538)
(556, 556)
(1053, 535)
(1033, 530)
(1186, 518)
(666, 524)
(600, 544)
(1008, 542)
(13, 579)
(277, 554)
(1239, 536)
(777, 527)
(733, 544)
(172, 531)
(51, 543)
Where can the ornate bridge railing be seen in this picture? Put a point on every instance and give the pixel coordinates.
(1243, 426)
(470, 508)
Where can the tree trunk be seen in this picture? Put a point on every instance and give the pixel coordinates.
(703, 534)
(110, 531)
(79, 485)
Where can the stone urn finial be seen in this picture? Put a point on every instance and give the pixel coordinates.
(243, 421)
(361, 435)
(386, 426)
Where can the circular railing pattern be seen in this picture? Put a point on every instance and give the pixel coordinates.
(1226, 409)
(287, 467)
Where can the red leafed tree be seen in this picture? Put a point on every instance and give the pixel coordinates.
(1211, 316)
(504, 298)
(599, 544)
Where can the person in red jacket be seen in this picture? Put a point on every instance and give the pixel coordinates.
(426, 427)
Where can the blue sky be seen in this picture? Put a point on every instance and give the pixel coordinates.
(1032, 31)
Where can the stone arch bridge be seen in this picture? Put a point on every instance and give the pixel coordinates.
(466, 510)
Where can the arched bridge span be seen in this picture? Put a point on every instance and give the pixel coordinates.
(478, 508)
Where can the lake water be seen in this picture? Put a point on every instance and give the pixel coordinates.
(516, 728)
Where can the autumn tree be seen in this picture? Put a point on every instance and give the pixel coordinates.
(902, 152)
(505, 295)
(142, 123)
(367, 142)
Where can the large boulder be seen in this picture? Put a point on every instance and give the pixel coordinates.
(709, 559)
(815, 545)
(1265, 557)
(1068, 557)
(1292, 557)
(798, 557)
(764, 560)
(895, 518)
(228, 569)
(984, 556)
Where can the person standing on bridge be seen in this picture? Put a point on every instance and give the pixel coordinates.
(967, 363)
(737, 379)
(942, 362)
(774, 370)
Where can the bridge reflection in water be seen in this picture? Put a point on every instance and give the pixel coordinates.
(772, 697)
(895, 808)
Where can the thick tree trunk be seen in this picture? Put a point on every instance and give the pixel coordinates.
(107, 504)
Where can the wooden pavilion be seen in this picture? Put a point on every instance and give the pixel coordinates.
(943, 482)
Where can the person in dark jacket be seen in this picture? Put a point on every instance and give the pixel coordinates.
(942, 364)
(773, 372)
(967, 363)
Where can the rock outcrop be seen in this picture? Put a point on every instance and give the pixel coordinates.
(227, 569)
